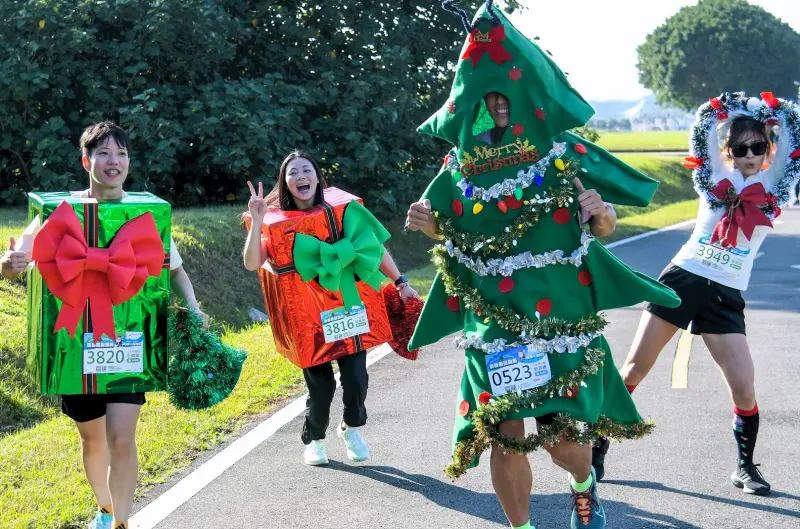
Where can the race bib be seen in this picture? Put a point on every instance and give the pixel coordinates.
(125, 355)
(729, 261)
(338, 324)
(517, 369)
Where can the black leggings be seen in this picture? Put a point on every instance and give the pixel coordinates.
(321, 387)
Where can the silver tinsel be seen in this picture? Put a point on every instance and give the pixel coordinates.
(559, 344)
(507, 266)
(506, 188)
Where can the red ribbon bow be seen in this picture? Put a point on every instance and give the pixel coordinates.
(771, 101)
(743, 212)
(77, 274)
(490, 43)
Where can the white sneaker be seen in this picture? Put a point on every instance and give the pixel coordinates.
(316, 453)
(357, 449)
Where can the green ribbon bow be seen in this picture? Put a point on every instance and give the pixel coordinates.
(358, 254)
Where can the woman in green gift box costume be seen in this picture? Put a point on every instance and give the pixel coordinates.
(517, 274)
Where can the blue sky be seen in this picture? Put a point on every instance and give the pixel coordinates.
(606, 69)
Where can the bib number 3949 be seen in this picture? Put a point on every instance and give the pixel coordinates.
(729, 261)
(125, 355)
(338, 324)
(517, 369)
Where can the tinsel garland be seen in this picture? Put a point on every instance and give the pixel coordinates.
(524, 179)
(507, 266)
(560, 197)
(487, 418)
(726, 106)
(506, 318)
(559, 344)
(403, 317)
(203, 371)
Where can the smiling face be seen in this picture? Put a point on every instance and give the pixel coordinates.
(302, 181)
(107, 165)
(499, 108)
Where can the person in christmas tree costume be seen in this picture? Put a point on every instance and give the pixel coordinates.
(710, 272)
(300, 187)
(517, 274)
(106, 423)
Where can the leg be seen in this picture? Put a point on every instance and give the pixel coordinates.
(651, 337)
(121, 420)
(511, 476)
(732, 355)
(96, 458)
(355, 381)
(321, 386)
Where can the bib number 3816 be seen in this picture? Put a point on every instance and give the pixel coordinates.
(338, 324)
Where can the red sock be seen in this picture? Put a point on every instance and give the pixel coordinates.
(745, 413)
(631, 387)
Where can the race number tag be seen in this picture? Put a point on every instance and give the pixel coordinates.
(338, 324)
(125, 355)
(517, 369)
(728, 261)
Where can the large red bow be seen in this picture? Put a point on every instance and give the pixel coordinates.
(77, 274)
(743, 212)
(490, 42)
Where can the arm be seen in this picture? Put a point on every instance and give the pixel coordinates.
(389, 268)
(253, 259)
(420, 218)
(182, 287)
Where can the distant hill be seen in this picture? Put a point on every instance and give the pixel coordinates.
(642, 114)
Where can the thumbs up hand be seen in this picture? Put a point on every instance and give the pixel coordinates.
(591, 201)
(12, 262)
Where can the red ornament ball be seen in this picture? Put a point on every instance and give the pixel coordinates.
(580, 148)
(515, 74)
(458, 208)
(544, 306)
(585, 278)
(517, 129)
(540, 114)
(512, 202)
(501, 205)
(506, 285)
(463, 408)
(572, 392)
(484, 397)
(453, 304)
(452, 107)
(562, 216)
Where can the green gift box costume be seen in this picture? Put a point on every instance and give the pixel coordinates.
(516, 269)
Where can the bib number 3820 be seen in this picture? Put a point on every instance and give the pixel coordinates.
(124, 355)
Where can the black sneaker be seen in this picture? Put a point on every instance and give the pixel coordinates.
(749, 479)
(599, 451)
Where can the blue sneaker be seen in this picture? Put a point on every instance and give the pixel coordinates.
(587, 512)
(101, 521)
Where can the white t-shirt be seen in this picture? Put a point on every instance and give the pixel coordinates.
(728, 266)
(25, 241)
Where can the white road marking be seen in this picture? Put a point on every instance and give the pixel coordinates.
(161, 507)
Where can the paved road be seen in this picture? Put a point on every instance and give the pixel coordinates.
(675, 478)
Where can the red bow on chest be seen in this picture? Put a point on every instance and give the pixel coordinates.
(490, 42)
(743, 211)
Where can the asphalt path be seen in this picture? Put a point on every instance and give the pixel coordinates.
(678, 477)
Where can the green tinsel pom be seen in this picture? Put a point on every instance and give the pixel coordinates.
(203, 371)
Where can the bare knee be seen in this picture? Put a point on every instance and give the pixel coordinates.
(513, 429)
(121, 444)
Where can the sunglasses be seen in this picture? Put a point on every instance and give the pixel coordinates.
(758, 148)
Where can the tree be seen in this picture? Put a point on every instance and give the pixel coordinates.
(719, 46)
(216, 92)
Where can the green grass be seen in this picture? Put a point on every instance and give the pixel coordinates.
(653, 141)
(41, 478)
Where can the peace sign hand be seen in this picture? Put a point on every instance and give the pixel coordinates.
(257, 205)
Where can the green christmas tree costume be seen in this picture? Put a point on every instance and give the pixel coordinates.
(517, 272)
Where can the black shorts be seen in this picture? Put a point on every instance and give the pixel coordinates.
(85, 408)
(711, 308)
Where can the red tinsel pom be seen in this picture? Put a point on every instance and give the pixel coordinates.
(540, 114)
(772, 101)
(517, 129)
(484, 397)
(795, 154)
(515, 74)
(716, 104)
(403, 319)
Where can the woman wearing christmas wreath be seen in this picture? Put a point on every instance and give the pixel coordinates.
(518, 275)
(737, 207)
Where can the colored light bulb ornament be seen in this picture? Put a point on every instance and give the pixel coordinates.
(501, 205)
(469, 191)
(477, 208)
(538, 179)
(518, 193)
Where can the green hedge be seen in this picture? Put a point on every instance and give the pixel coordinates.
(216, 92)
